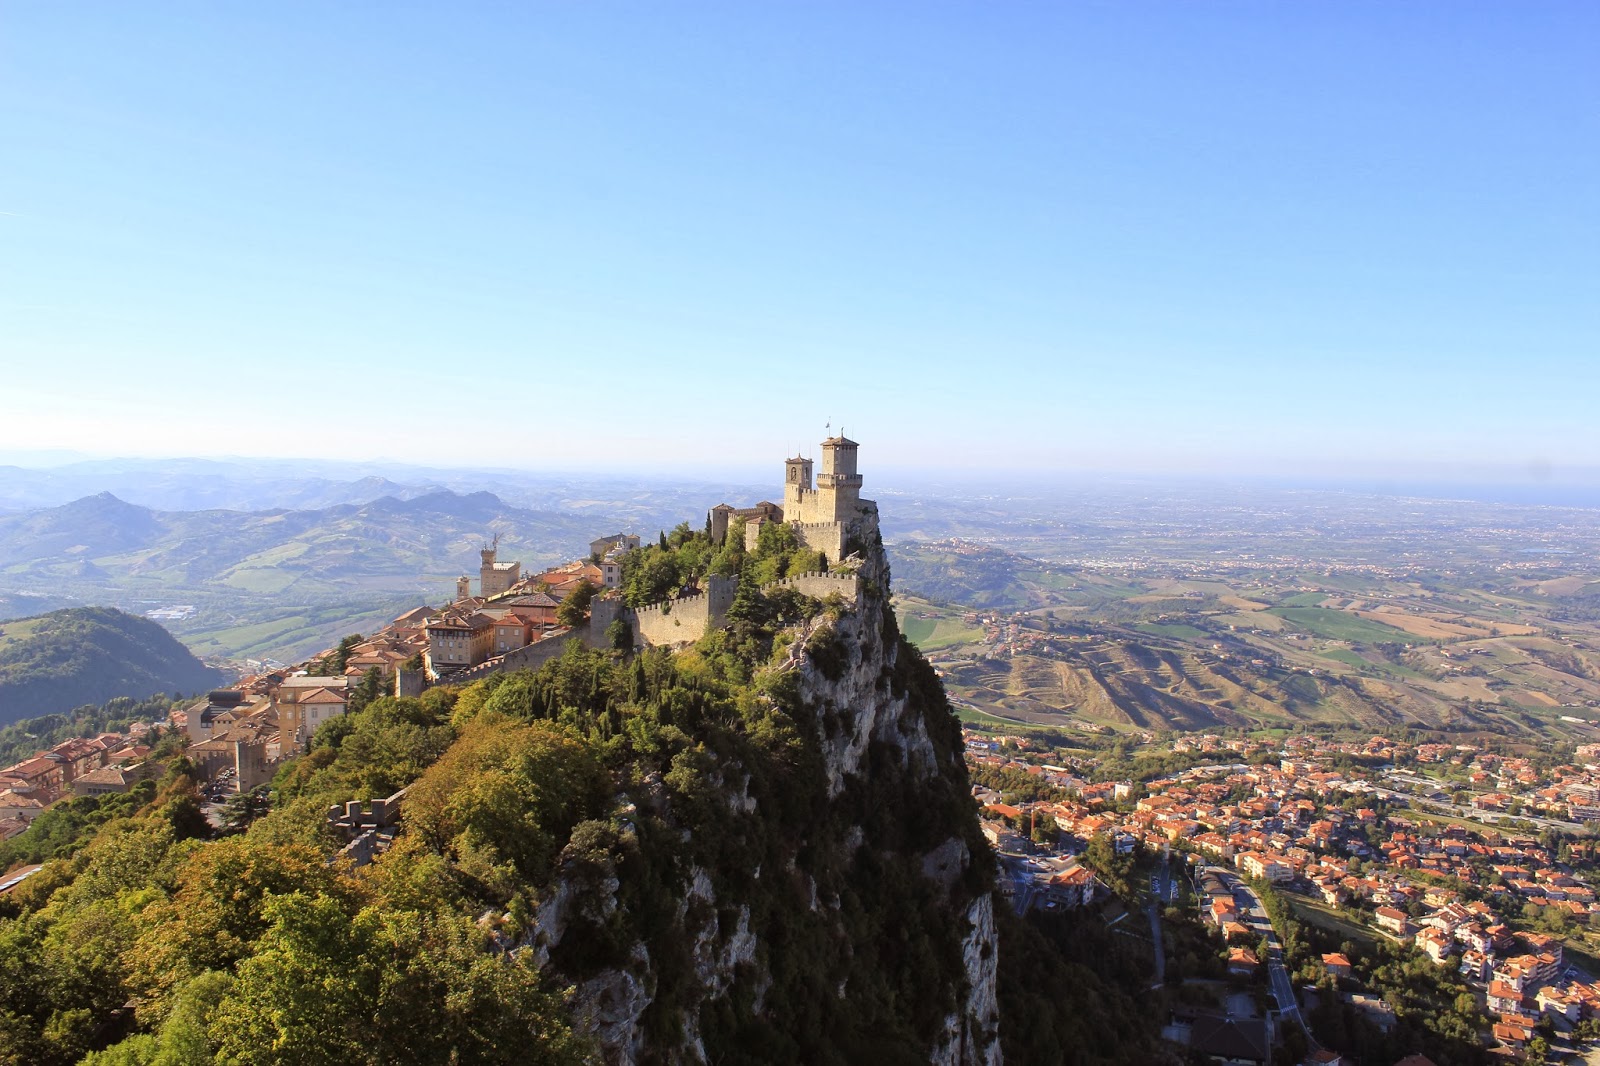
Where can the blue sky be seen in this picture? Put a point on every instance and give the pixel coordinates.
(1276, 238)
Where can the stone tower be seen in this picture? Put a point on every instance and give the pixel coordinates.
(495, 577)
(838, 486)
(796, 485)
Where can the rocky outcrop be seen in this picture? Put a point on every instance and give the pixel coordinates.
(847, 679)
(610, 1006)
(973, 1034)
(883, 749)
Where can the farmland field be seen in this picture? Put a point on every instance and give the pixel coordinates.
(1338, 625)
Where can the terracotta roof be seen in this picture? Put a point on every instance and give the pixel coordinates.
(33, 767)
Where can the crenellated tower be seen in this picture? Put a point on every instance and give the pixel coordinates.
(838, 486)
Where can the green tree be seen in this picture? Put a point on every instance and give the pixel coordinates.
(371, 687)
(1113, 869)
(243, 808)
(574, 609)
(184, 1038)
(334, 663)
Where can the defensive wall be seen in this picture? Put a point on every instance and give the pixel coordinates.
(820, 585)
(688, 619)
(825, 537)
(368, 831)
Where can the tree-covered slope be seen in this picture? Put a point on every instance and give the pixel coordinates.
(65, 659)
(759, 849)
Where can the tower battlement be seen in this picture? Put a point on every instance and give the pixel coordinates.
(824, 509)
(836, 496)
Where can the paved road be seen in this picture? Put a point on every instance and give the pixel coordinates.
(1277, 974)
(1470, 814)
(1160, 892)
(1255, 915)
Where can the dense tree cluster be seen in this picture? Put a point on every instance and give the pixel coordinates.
(1435, 1011)
(21, 739)
(683, 558)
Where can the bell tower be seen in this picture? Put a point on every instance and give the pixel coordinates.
(796, 487)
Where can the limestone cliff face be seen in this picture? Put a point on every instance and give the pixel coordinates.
(877, 892)
(859, 711)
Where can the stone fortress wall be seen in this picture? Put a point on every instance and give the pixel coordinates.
(820, 585)
(826, 519)
(687, 619)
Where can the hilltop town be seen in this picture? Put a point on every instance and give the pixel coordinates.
(238, 737)
(739, 698)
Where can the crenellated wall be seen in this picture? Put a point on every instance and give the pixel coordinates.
(685, 620)
(825, 537)
(820, 585)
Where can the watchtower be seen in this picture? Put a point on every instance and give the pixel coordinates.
(838, 486)
(495, 577)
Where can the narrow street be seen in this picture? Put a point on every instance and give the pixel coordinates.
(1277, 974)
(1278, 981)
(1160, 893)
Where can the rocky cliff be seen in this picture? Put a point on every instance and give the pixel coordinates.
(834, 908)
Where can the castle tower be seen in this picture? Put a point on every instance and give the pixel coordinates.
(796, 486)
(838, 486)
(719, 518)
(486, 579)
(463, 588)
(495, 577)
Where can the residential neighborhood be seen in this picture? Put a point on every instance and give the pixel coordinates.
(1479, 861)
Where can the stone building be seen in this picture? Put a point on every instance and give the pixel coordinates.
(600, 547)
(827, 515)
(304, 702)
(458, 639)
(495, 577)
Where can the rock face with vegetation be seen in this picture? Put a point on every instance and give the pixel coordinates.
(832, 895)
(760, 848)
(82, 655)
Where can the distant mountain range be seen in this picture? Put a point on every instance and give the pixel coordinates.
(388, 542)
(301, 485)
(193, 485)
(307, 575)
(90, 655)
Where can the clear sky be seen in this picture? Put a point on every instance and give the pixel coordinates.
(1274, 237)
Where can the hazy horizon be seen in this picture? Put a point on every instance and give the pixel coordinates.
(1536, 487)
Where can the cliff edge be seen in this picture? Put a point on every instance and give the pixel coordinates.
(831, 905)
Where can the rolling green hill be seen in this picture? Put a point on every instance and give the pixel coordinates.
(65, 659)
